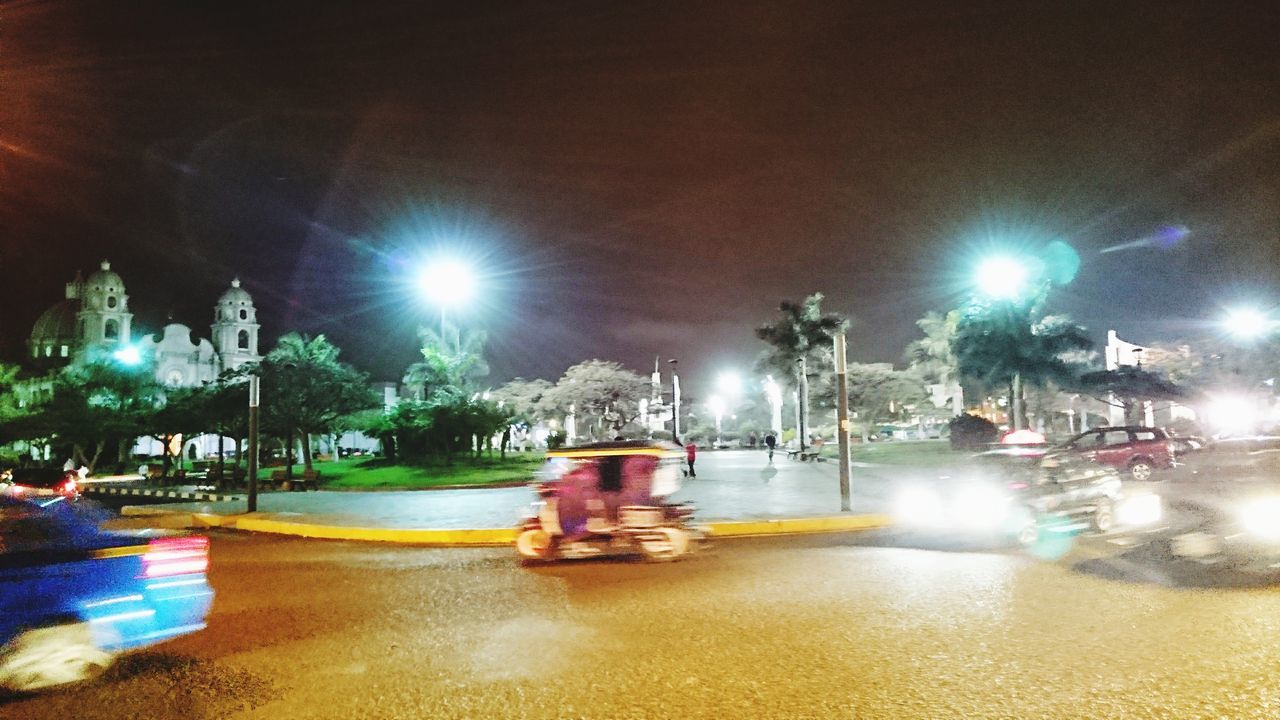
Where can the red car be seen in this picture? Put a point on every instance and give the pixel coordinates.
(1140, 450)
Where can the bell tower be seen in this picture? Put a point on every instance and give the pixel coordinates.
(235, 327)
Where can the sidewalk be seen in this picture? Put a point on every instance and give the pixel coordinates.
(733, 486)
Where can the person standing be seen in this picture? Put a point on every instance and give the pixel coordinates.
(691, 454)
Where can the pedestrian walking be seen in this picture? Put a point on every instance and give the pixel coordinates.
(691, 454)
(770, 441)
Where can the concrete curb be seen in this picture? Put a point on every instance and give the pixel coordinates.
(480, 537)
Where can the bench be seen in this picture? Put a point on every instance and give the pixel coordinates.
(813, 452)
(308, 480)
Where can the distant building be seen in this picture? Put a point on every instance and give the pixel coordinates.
(93, 321)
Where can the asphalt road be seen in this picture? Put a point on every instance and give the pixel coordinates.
(833, 626)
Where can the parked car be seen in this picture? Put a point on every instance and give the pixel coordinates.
(41, 482)
(1139, 450)
(73, 596)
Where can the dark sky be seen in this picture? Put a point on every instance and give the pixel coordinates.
(635, 178)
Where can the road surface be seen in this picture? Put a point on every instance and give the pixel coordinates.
(831, 626)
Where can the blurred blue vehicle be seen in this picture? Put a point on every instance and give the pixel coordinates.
(73, 596)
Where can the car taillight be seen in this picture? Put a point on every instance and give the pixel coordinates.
(67, 487)
(176, 556)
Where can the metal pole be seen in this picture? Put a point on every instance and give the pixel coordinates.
(842, 417)
(804, 401)
(675, 402)
(254, 390)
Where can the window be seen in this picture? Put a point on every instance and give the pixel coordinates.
(1144, 435)
(48, 351)
(111, 330)
(242, 339)
(111, 301)
(64, 350)
(244, 314)
(1114, 437)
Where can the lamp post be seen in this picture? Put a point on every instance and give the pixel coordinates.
(675, 402)
(773, 394)
(254, 389)
(842, 417)
(716, 405)
(802, 405)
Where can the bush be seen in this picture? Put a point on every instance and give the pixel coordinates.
(970, 432)
(555, 439)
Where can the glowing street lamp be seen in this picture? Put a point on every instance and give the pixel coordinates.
(1247, 323)
(1002, 278)
(447, 282)
(729, 384)
(128, 355)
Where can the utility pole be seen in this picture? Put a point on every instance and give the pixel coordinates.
(803, 404)
(842, 417)
(254, 390)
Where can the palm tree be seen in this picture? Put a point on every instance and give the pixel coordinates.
(451, 361)
(802, 334)
(1004, 345)
(932, 356)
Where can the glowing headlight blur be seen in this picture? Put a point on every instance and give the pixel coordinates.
(1143, 509)
(982, 506)
(918, 506)
(1261, 518)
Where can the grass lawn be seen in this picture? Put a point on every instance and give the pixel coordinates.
(378, 474)
(906, 452)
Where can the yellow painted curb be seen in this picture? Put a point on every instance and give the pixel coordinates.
(462, 537)
(492, 537)
(797, 526)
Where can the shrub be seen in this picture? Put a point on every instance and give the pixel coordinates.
(970, 432)
(555, 439)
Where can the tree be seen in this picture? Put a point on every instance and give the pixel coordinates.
(308, 391)
(178, 414)
(933, 356)
(95, 406)
(600, 389)
(1007, 343)
(451, 362)
(1129, 387)
(878, 393)
(800, 342)
(525, 401)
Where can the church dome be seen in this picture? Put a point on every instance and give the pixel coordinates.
(235, 295)
(105, 280)
(57, 323)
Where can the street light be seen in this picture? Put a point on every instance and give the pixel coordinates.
(1247, 323)
(729, 384)
(128, 355)
(447, 282)
(1002, 277)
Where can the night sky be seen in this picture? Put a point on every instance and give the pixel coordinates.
(635, 178)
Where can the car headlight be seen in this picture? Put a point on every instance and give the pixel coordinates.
(1145, 509)
(982, 506)
(1261, 517)
(918, 506)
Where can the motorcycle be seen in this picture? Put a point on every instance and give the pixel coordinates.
(608, 499)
